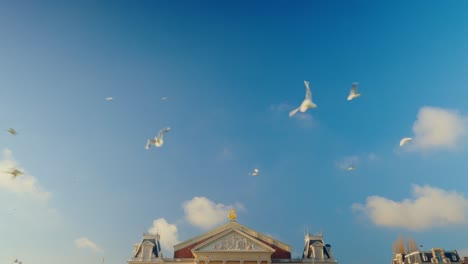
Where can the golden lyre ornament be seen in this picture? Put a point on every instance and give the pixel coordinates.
(232, 215)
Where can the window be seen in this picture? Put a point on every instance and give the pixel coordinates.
(454, 258)
(424, 257)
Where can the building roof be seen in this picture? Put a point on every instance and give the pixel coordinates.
(316, 240)
(153, 240)
(184, 249)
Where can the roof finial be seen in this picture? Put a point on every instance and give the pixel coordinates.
(232, 215)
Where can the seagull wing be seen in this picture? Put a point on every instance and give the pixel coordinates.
(404, 140)
(308, 92)
(148, 144)
(293, 112)
(12, 131)
(163, 131)
(354, 88)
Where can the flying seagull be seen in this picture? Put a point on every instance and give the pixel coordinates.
(109, 99)
(254, 173)
(353, 93)
(158, 140)
(12, 131)
(404, 141)
(307, 103)
(351, 168)
(15, 172)
(164, 98)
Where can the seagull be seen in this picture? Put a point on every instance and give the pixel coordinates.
(158, 140)
(306, 104)
(351, 168)
(404, 141)
(164, 98)
(12, 131)
(353, 93)
(15, 172)
(109, 99)
(254, 173)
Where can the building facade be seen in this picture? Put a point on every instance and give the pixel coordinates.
(232, 243)
(435, 255)
(465, 260)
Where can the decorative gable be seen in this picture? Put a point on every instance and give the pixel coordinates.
(233, 240)
(206, 241)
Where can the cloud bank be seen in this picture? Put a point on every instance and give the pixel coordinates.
(437, 128)
(203, 213)
(22, 185)
(430, 207)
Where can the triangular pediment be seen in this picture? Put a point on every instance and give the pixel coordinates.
(233, 241)
(195, 242)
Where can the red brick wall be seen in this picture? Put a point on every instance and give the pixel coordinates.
(279, 253)
(186, 252)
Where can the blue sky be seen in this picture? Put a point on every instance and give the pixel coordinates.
(232, 71)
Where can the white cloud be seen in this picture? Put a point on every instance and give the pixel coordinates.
(84, 242)
(431, 207)
(168, 234)
(23, 184)
(438, 128)
(203, 213)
